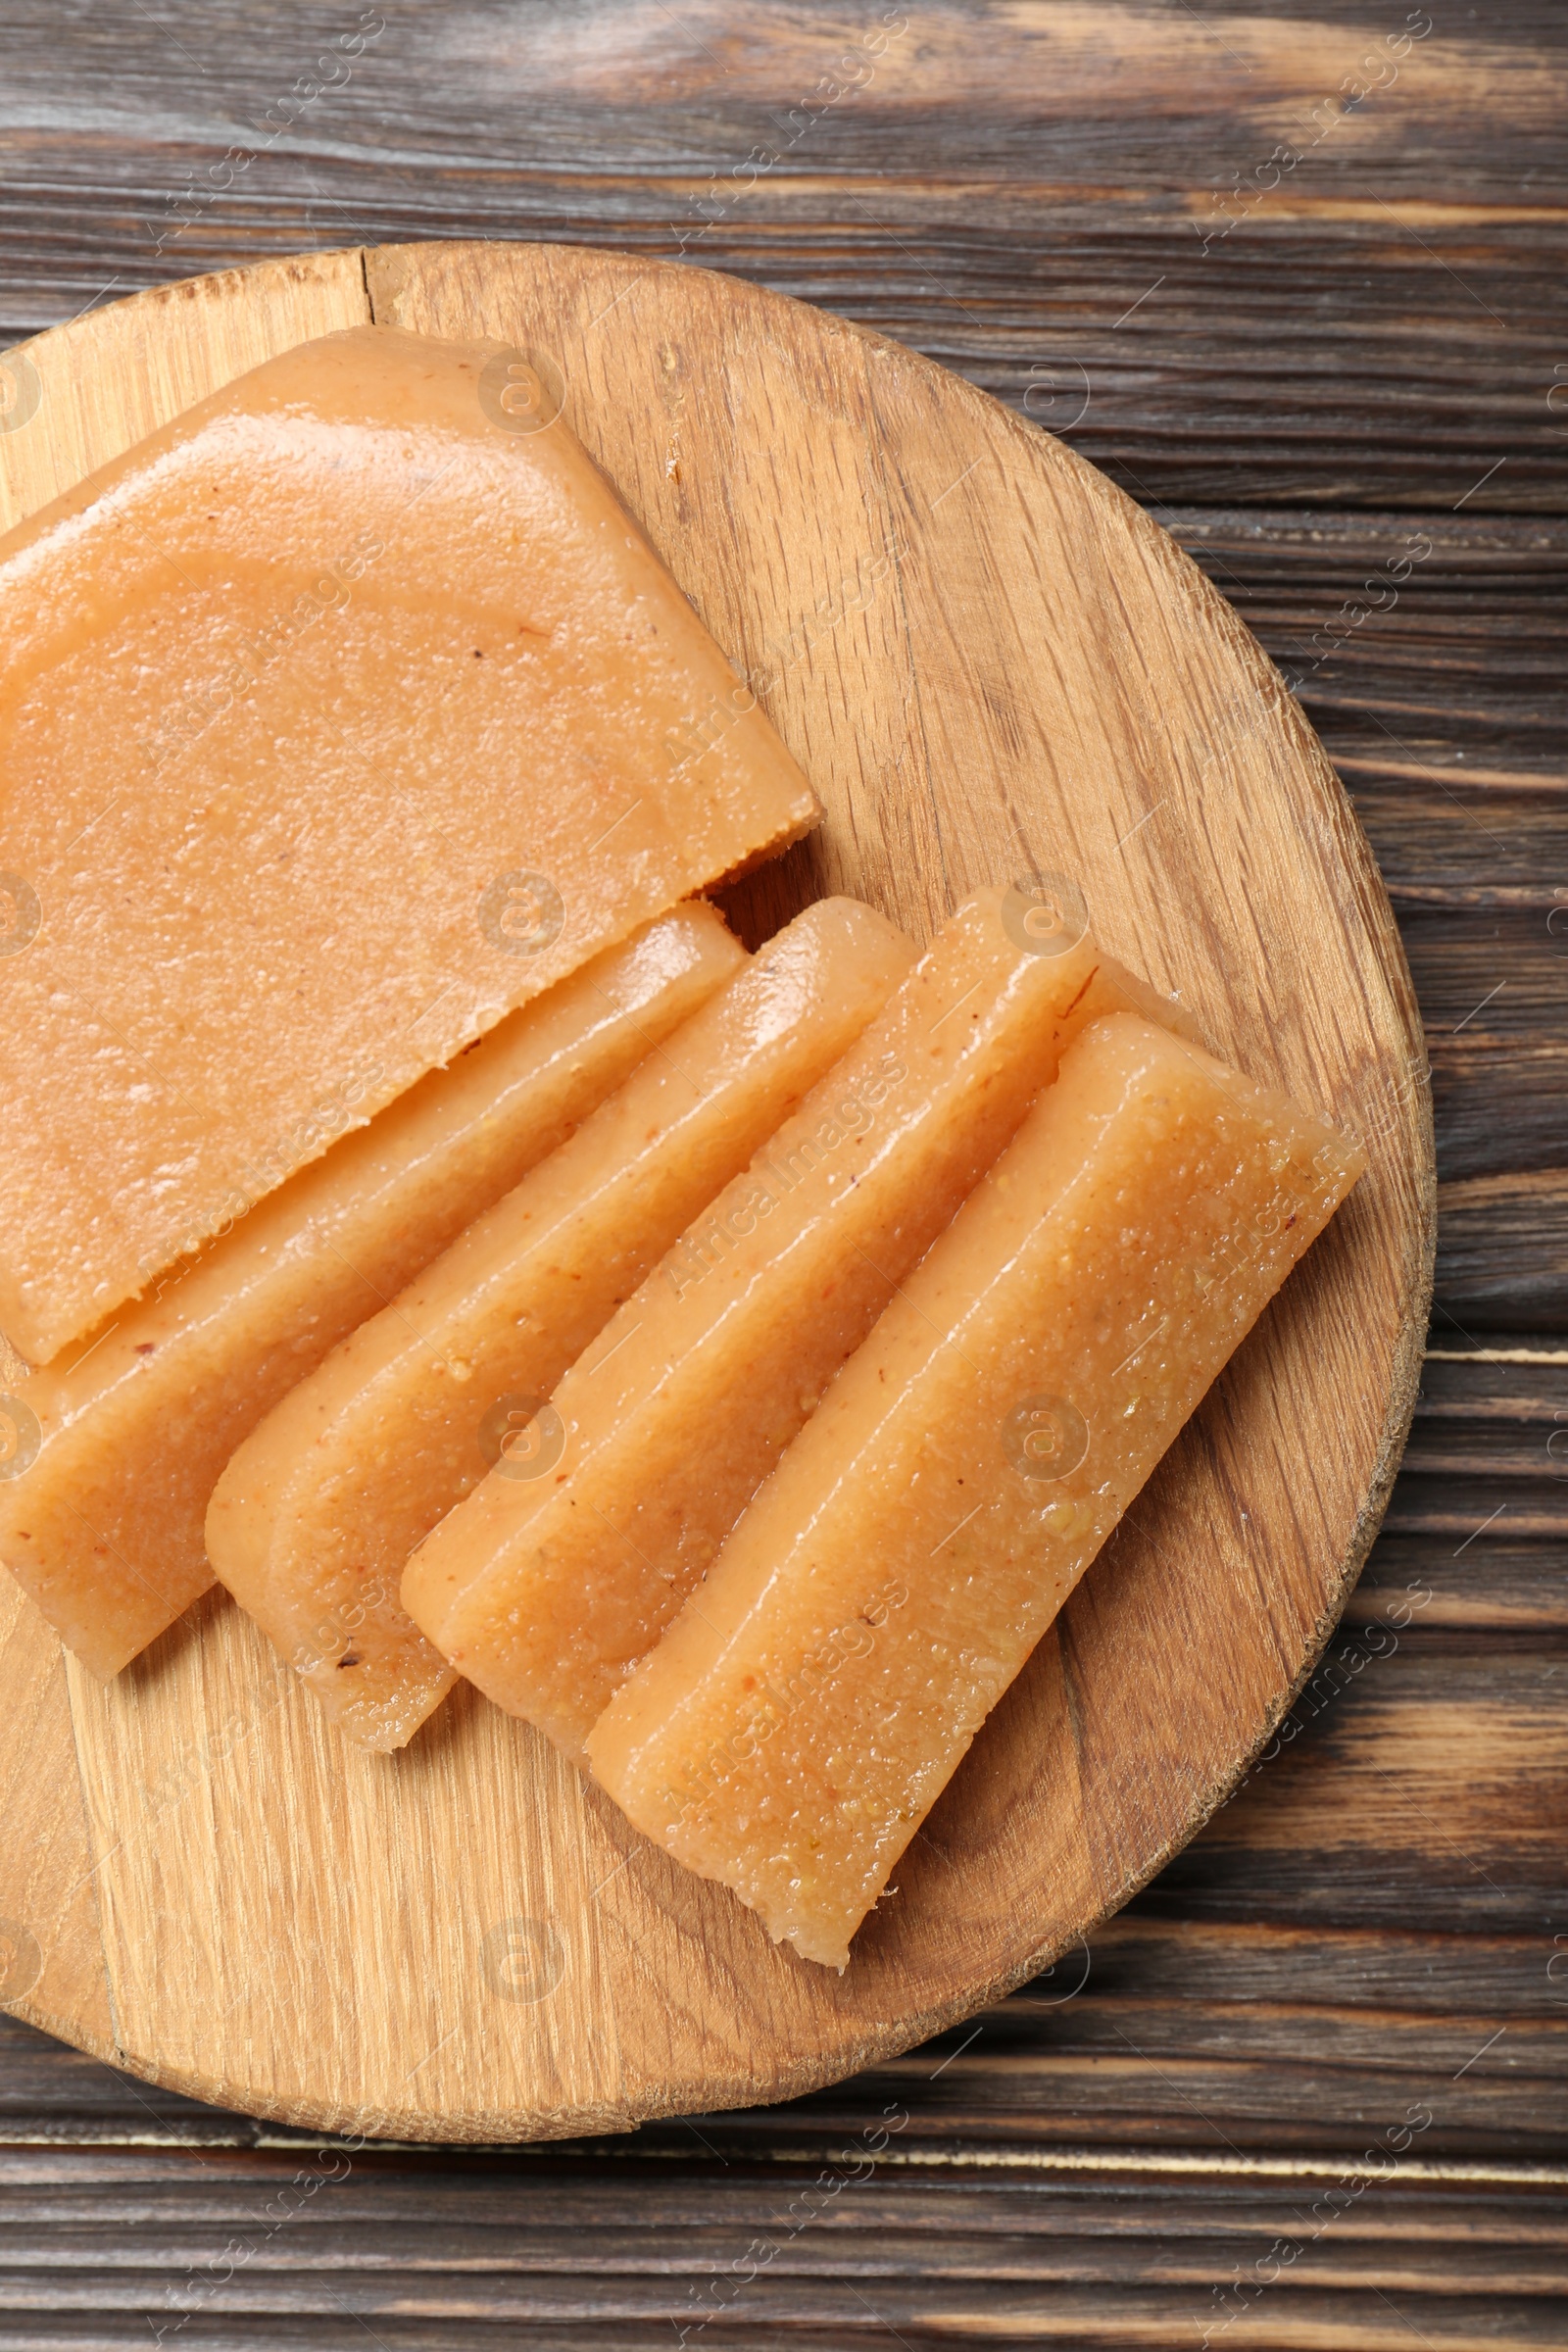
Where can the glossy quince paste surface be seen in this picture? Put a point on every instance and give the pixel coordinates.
(546, 1594)
(104, 1531)
(343, 715)
(802, 1716)
(312, 1521)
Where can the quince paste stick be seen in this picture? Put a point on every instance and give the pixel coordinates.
(123, 1443)
(547, 1594)
(802, 1714)
(312, 1521)
(342, 715)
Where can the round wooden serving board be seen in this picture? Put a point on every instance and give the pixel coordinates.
(992, 663)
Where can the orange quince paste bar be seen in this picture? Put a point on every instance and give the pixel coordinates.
(312, 1521)
(112, 1451)
(802, 1716)
(343, 715)
(547, 1595)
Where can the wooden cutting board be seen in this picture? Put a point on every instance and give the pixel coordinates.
(991, 664)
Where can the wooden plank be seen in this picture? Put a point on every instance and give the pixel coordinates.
(401, 2308)
(1477, 1581)
(637, 2270)
(1035, 2193)
(681, 2218)
(1502, 1254)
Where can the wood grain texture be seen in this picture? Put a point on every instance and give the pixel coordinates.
(238, 2249)
(106, 380)
(1176, 234)
(1375, 351)
(989, 662)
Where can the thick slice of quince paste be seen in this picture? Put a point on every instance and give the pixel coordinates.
(312, 1521)
(802, 1714)
(124, 1439)
(547, 1594)
(342, 715)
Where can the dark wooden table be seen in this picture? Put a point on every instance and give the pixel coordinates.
(1296, 281)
